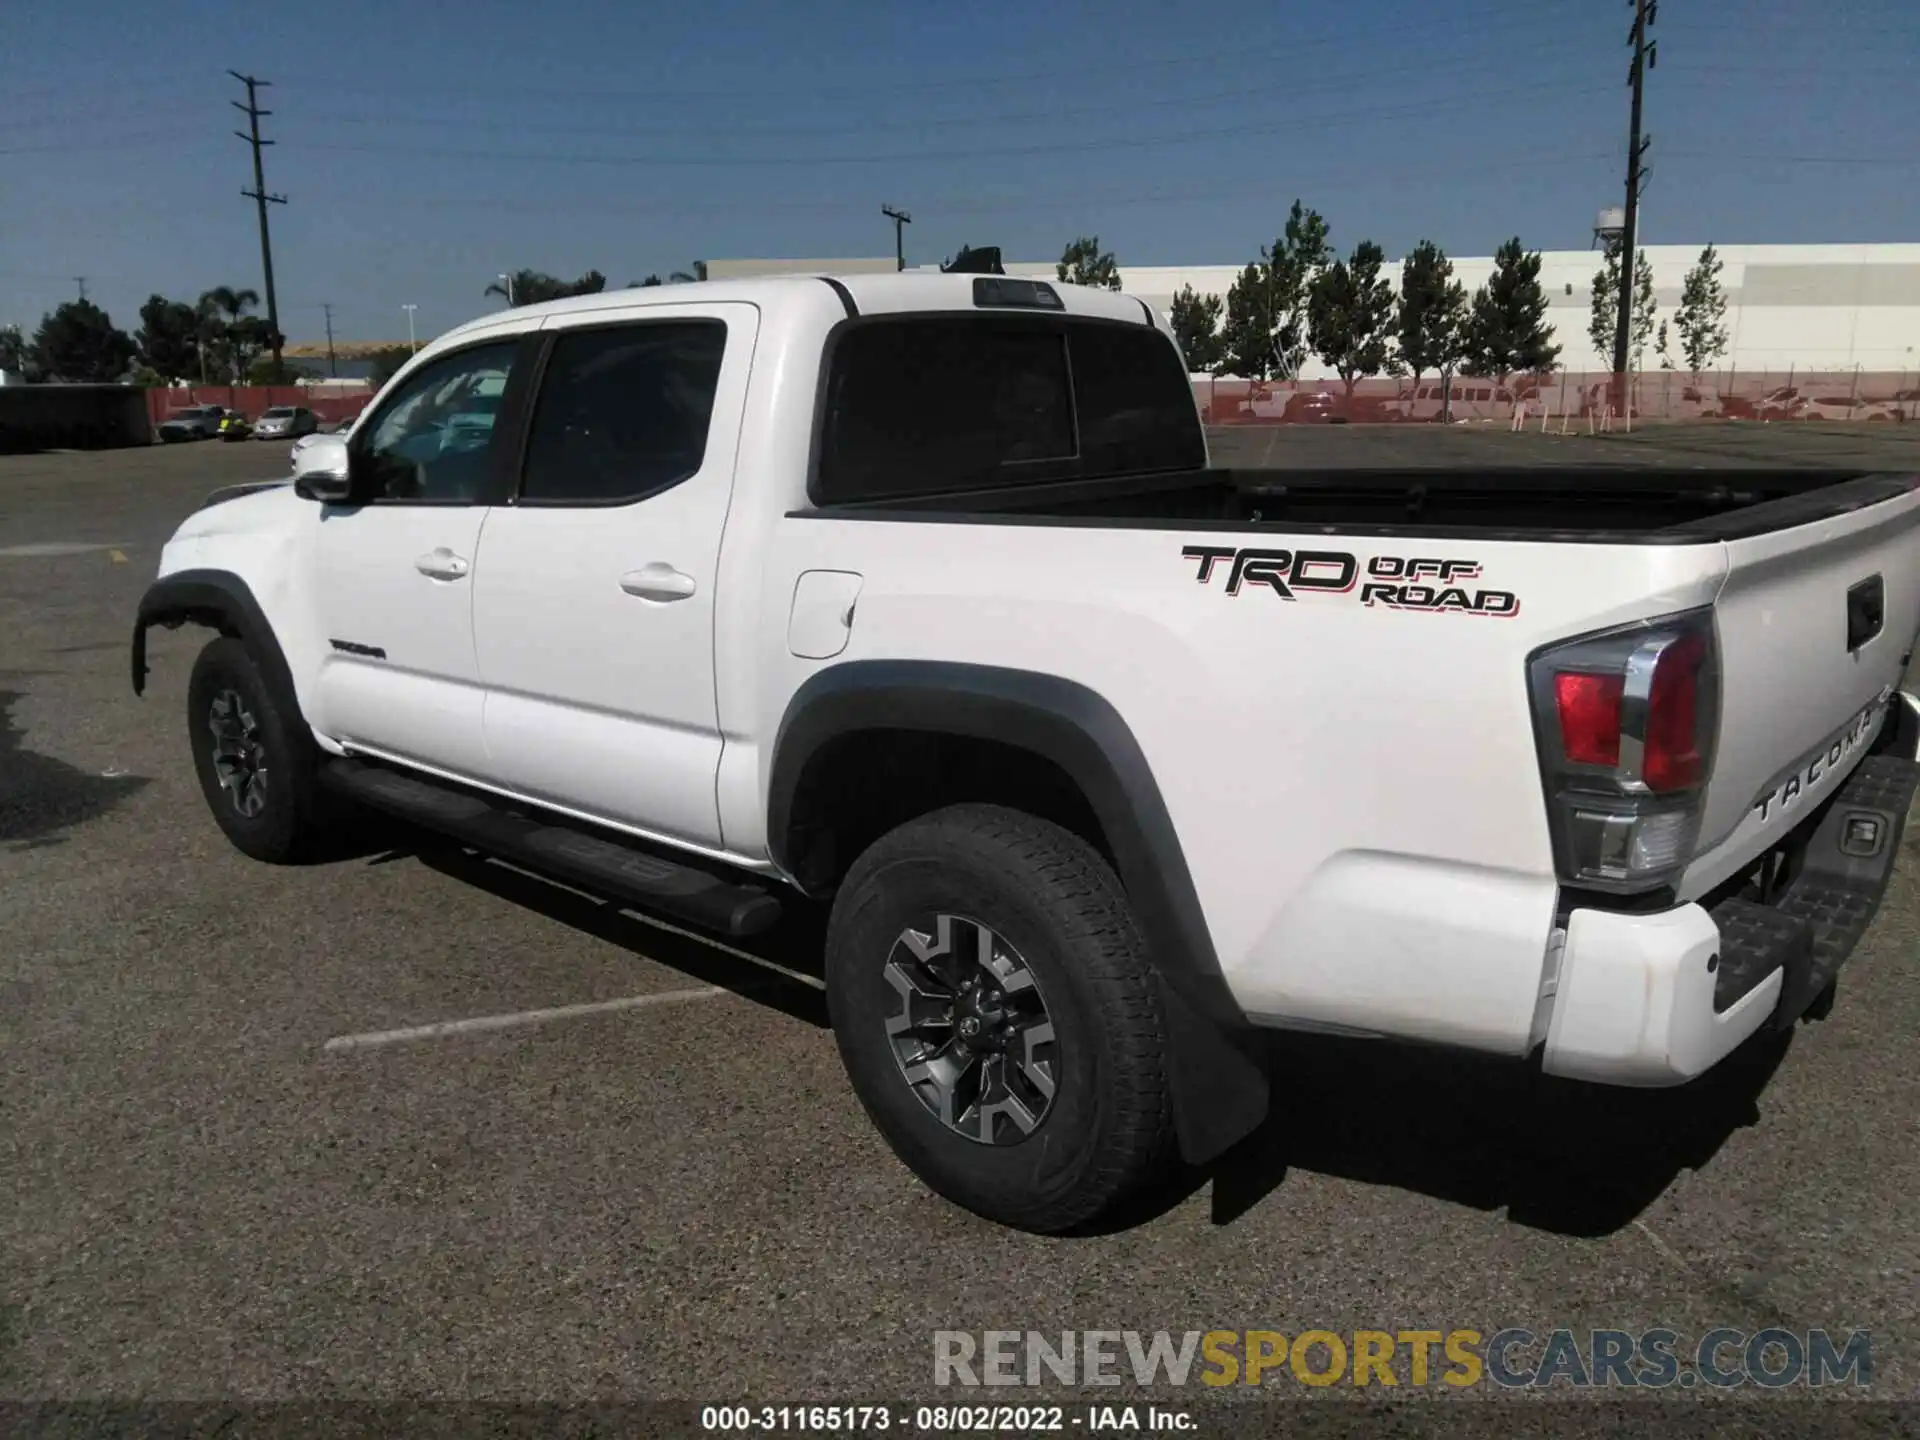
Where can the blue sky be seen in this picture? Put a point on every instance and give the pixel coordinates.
(425, 146)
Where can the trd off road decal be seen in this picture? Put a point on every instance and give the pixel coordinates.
(1395, 581)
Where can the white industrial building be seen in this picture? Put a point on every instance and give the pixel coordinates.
(1810, 308)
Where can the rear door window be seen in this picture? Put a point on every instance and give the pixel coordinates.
(930, 404)
(623, 412)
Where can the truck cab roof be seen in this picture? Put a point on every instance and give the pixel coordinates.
(904, 292)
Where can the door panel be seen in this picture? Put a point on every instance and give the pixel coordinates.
(593, 607)
(399, 674)
(394, 571)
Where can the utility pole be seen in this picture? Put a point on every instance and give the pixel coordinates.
(262, 199)
(81, 281)
(412, 344)
(900, 218)
(333, 366)
(1644, 58)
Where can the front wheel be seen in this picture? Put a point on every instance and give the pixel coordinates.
(993, 1005)
(255, 761)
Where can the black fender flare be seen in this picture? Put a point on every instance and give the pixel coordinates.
(222, 601)
(1215, 1060)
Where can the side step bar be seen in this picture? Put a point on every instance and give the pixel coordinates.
(605, 866)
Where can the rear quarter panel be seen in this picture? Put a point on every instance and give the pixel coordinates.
(1354, 787)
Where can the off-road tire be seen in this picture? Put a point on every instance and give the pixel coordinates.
(293, 819)
(1106, 1137)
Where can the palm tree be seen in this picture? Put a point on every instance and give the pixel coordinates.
(686, 277)
(535, 287)
(220, 313)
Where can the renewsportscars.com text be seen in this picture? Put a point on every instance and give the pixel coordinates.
(1511, 1358)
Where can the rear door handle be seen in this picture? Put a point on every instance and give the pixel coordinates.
(658, 581)
(441, 564)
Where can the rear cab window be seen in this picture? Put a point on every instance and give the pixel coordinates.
(929, 404)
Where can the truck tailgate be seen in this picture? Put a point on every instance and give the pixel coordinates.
(1816, 626)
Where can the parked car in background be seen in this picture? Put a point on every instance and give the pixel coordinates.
(195, 422)
(285, 422)
(336, 442)
(1854, 408)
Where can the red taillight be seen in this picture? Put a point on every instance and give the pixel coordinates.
(1626, 722)
(1671, 759)
(1589, 708)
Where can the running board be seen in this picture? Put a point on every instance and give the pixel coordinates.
(621, 872)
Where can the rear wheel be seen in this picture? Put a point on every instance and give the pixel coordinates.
(995, 1011)
(256, 762)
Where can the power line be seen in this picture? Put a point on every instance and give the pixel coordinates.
(1345, 178)
(1293, 47)
(1461, 67)
(1132, 142)
(261, 199)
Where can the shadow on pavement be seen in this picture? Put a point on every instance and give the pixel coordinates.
(1573, 1159)
(40, 797)
(794, 944)
(1564, 1157)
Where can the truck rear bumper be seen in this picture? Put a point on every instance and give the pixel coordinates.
(1656, 999)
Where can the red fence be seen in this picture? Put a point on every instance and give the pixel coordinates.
(1566, 396)
(330, 404)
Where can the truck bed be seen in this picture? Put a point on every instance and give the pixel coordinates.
(1591, 505)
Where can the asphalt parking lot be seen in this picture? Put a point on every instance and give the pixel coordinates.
(683, 1199)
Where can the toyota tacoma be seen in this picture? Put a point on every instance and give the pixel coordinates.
(915, 596)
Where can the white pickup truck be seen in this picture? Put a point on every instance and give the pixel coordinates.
(915, 594)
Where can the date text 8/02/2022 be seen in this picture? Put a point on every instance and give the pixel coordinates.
(1510, 1358)
(943, 1419)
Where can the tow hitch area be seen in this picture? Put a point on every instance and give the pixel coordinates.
(1811, 927)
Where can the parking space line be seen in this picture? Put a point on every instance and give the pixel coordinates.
(374, 1038)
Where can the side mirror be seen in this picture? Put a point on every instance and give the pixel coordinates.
(322, 471)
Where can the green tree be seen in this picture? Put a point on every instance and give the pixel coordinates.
(1427, 314)
(1508, 330)
(983, 260)
(643, 284)
(1666, 354)
(1196, 325)
(1702, 316)
(16, 356)
(535, 287)
(1293, 261)
(267, 370)
(1246, 336)
(1084, 263)
(169, 338)
(383, 364)
(229, 337)
(1604, 316)
(78, 343)
(1349, 312)
(1452, 328)
(1266, 330)
(689, 277)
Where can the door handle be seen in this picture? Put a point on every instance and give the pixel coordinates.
(658, 581)
(441, 564)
